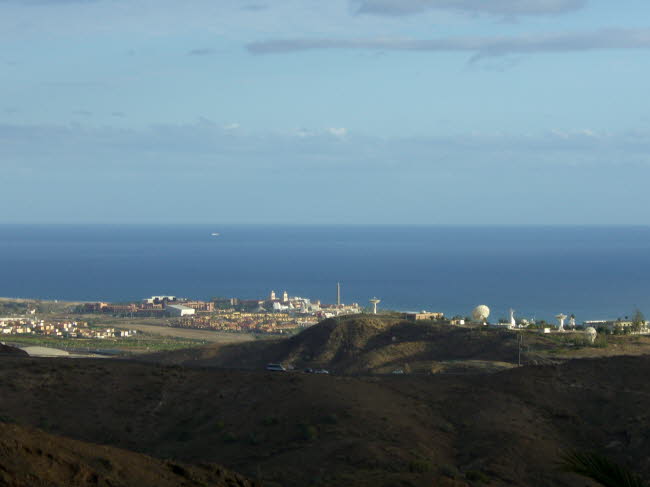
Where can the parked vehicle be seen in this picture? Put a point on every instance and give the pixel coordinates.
(321, 371)
(275, 368)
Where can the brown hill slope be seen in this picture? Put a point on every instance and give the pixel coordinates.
(31, 458)
(361, 344)
(298, 429)
(288, 429)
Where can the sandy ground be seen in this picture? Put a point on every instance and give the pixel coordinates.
(45, 352)
(35, 351)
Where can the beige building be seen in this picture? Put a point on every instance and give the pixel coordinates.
(424, 315)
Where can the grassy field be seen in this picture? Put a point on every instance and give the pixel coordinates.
(161, 327)
(208, 336)
(141, 343)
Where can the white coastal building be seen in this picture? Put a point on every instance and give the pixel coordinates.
(179, 310)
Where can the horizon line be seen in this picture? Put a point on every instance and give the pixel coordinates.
(308, 224)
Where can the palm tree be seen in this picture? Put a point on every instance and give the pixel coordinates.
(601, 469)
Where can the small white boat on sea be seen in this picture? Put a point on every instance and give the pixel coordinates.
(215, 234)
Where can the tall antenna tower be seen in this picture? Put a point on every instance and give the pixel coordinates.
(338, 294)
(561, 317)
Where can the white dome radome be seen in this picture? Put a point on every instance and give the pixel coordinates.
(591, 333)
(481, 313)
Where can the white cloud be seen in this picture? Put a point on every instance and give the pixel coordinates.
(337, 132)
(577, 133)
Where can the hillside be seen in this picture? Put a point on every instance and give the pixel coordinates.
(9, 350)
(368, 344)
(298, 429)
(31, 458)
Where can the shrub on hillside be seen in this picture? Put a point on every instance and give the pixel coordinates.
(477, 476)
(230, 437)
(308, 432)
(270, 421)
(420, 466)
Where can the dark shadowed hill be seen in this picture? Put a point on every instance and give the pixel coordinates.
(295, 429)
(361, 344)
(8, 350)
(31, 458)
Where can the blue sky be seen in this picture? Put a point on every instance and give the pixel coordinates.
(349, 111)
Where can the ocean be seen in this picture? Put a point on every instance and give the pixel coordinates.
(595, 272)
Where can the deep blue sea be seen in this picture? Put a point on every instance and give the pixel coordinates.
(540, 271)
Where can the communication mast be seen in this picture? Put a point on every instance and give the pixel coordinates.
(561, 317)
(374, 302)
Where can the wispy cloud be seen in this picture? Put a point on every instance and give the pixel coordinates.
(55, 163)
(255, 7)
(202, 51)
(479, 46)
(206, 146)
(506, 8)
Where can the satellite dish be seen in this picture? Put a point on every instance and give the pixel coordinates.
(481, 313)
(591, 334)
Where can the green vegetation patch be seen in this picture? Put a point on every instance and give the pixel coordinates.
(477, 476)
(307, 431)
(141, 343)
